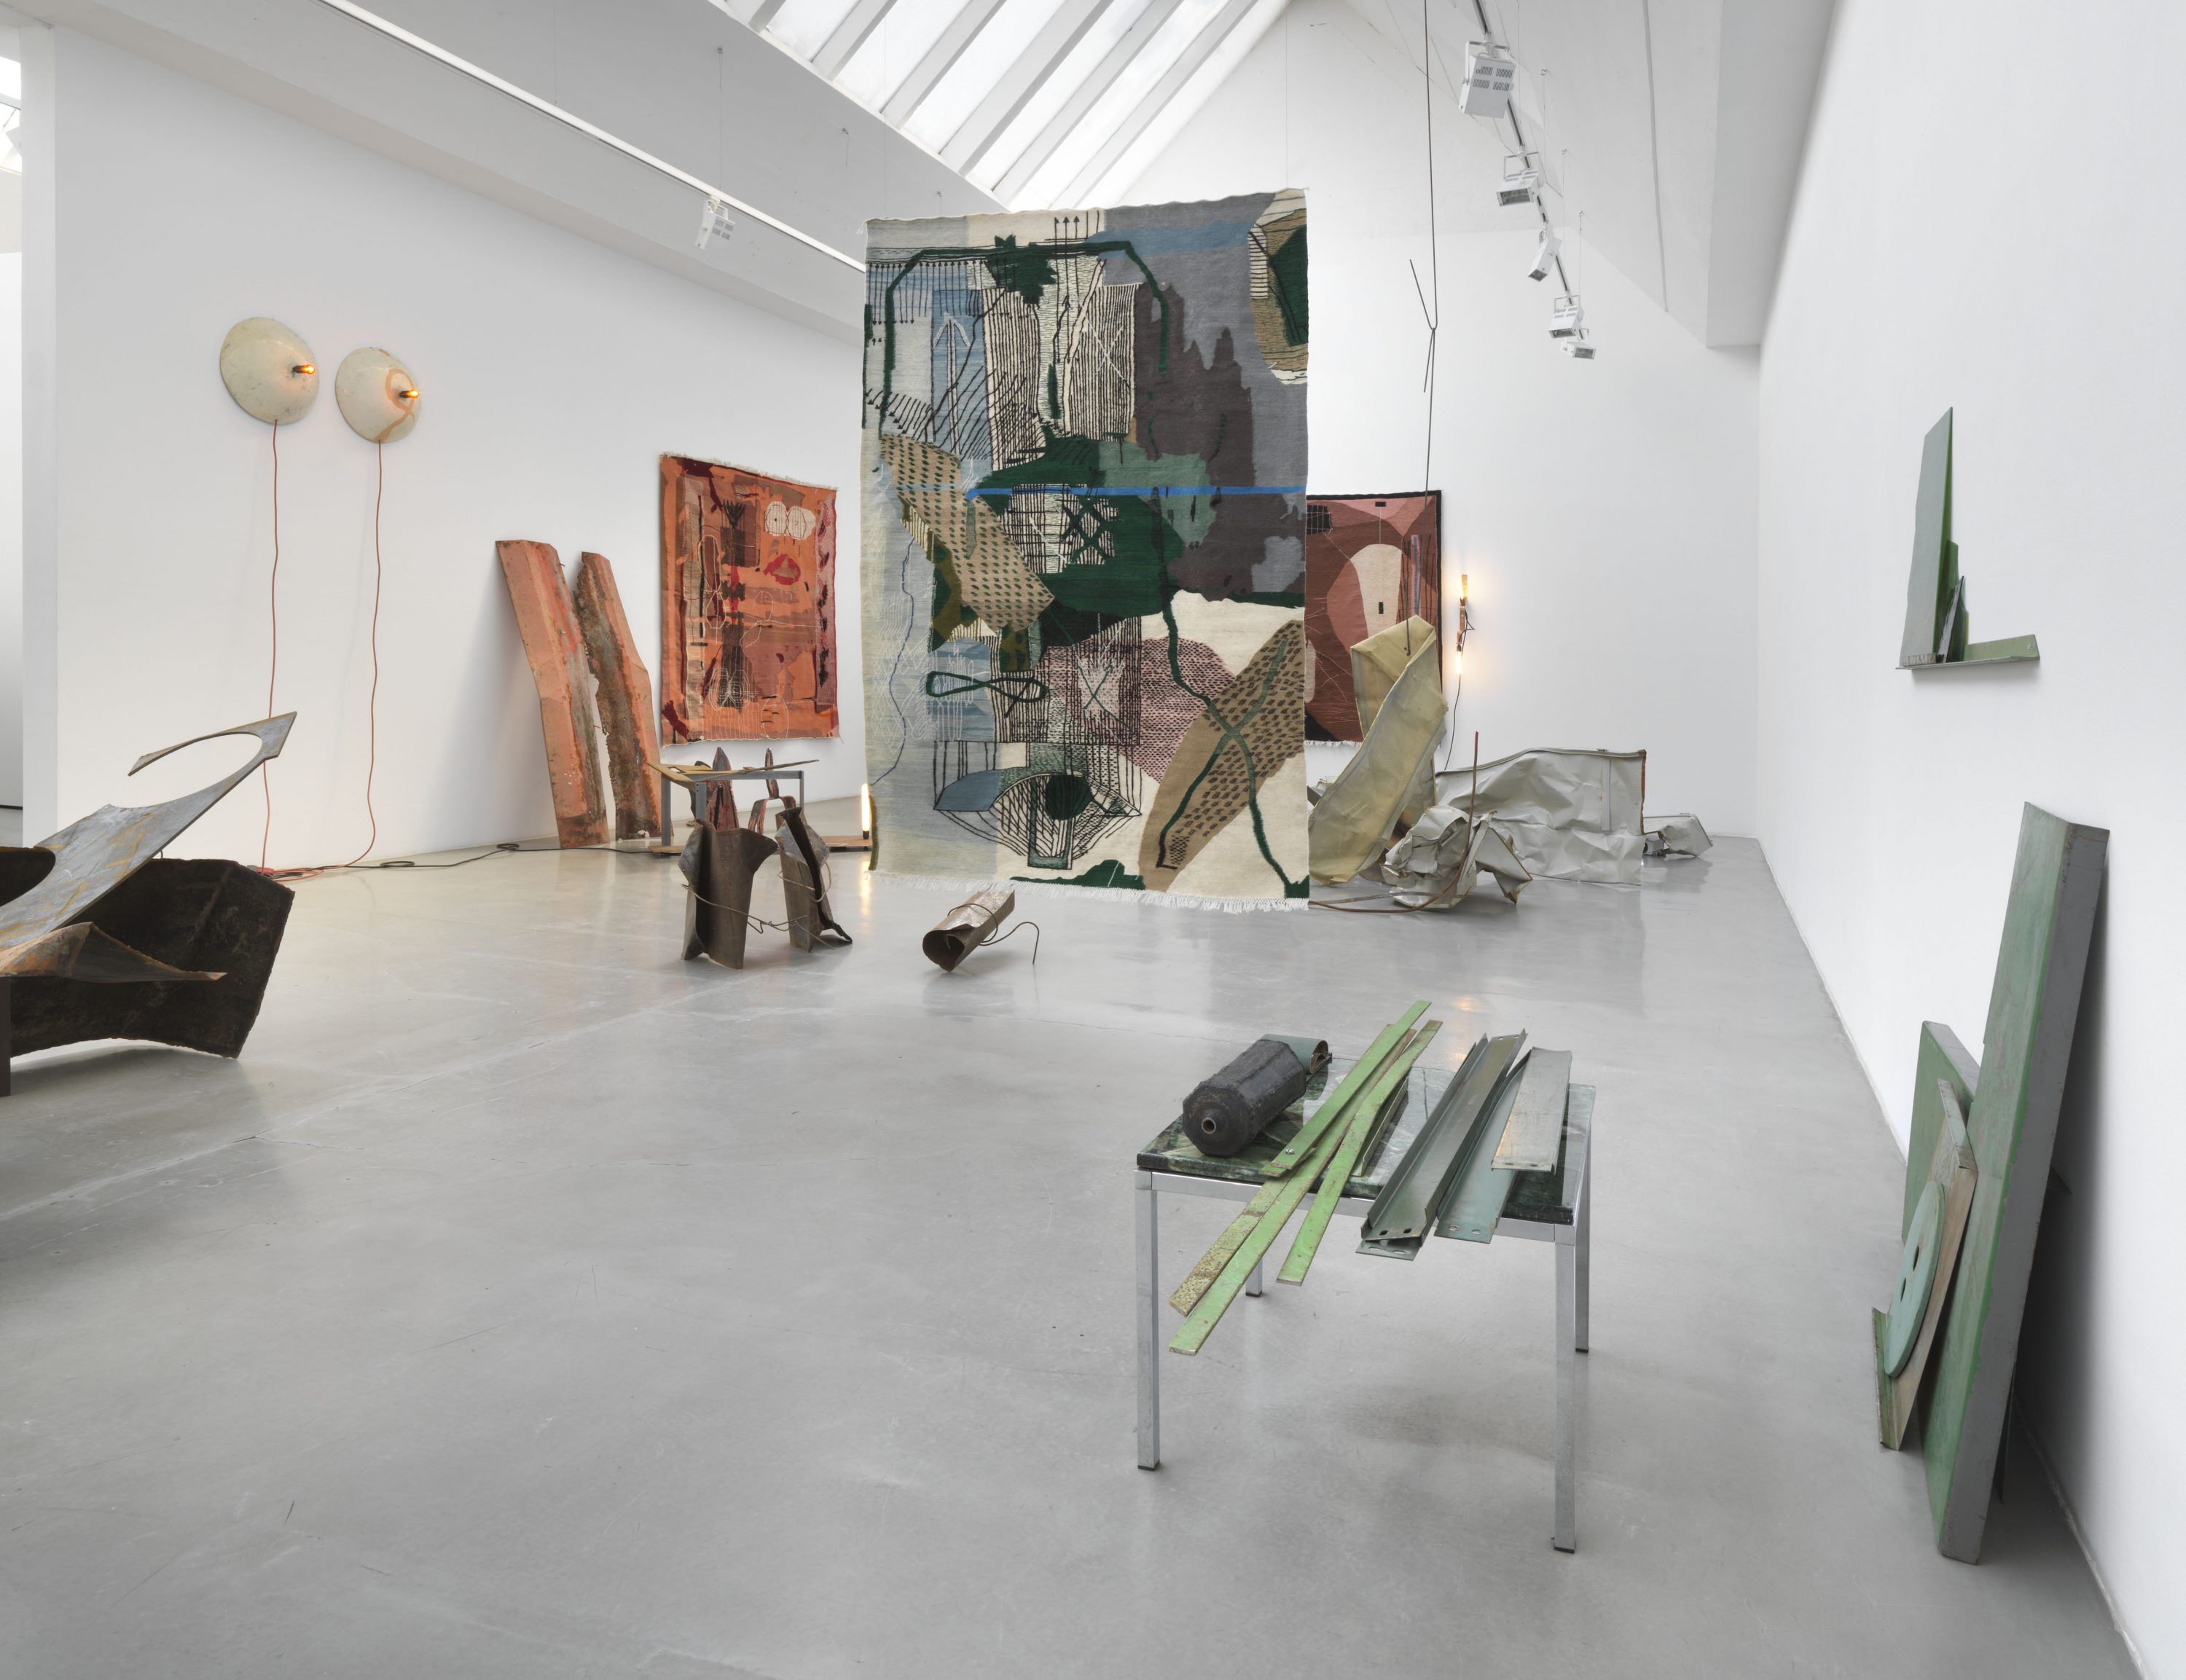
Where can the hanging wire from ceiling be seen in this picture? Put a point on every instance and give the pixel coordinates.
(1434, 247)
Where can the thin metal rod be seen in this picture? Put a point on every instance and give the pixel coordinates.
(1149, 1314)
(486, 78)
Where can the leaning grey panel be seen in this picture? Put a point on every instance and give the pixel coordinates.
(1535, 1130)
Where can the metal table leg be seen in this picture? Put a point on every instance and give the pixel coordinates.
(1150, 1323)
(1584, 1219)
(1252, 1282)
(1567, 1340)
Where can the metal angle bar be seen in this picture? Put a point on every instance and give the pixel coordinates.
(1530, 1140)
(1087, 94)
(1021, 83)
(940, 58)
(486, 78)
(1203, 48)
(1406, 1208)
(1474, 1201)
(862, 19)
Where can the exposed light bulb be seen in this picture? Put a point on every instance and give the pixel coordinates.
(303, 367)
(409, 395)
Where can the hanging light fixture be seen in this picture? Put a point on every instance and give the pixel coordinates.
(1545, 258)
(1521, 179)
(1564, 318)
(1488, 73)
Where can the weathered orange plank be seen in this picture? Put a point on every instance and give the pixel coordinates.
(548, 625)
(624, 696)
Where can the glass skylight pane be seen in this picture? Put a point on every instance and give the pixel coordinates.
(1069, 76)
(804, 26)
(994, 52)
(1122, 98)
(892, 50)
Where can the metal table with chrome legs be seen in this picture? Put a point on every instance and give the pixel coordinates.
(1549, 1207)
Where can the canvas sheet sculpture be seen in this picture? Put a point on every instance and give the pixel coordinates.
(1083, 562)
(1371, 562)
(747, 605)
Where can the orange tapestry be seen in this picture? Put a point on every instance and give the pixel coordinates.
(747, 605)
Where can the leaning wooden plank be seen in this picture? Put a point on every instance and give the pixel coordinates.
(1201, 1276)
(1365, 1121)
(548, 625)
(624, 696)
(1362, 1072)
(2041, 962)
(1536, 1127)
(1950, 1167)
(1216, 1303)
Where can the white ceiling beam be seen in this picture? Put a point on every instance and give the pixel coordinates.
(940, 58)
(761, 14)
(1089, 92)
(1021, 83)
(862, 19)
(1202, 48)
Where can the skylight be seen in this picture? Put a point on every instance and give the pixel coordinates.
(1035, 101)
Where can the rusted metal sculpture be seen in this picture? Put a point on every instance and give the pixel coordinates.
(101, 938)
(624, 693)
(722, 856)
(548, 624)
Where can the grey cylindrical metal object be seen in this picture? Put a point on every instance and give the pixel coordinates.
(1228, 1110)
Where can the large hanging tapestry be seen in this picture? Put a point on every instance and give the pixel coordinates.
(1083, 560)
(1370, 562)
(747, 605)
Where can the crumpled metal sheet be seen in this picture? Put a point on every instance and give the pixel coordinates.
(1681, 833)
(1569, 814)
(1442, 856)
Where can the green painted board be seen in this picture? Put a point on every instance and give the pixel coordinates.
(1367, 1068)
(2012, 1125)
(1941, 1057)
(2006, 650)
(1934, 580)
(1199, 1324)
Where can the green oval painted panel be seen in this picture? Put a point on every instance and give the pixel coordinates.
(1916, 1277)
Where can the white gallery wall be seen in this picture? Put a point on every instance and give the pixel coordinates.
(11, 521)
(1952, 246)
(1604, 512)
(554, 371)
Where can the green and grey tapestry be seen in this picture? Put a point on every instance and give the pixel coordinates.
(1083, 558)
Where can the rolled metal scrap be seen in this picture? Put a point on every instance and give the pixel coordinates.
(1227, 1110)
(969, 926)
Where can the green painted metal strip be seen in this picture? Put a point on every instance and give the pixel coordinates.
(2003, 650)
(1475, 1199)
(1362, 1074)
(1216, 1302)
(1209, 1266)
(1363, 1121)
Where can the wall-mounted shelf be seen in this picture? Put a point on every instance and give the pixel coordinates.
(2010, 650)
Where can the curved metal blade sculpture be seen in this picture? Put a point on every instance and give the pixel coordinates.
(101, 938)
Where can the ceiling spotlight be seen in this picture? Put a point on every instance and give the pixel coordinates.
(1564, 319)
(1578, 348)
(1488, 73)
(714, 222)
(1544, 259)
(1521, 179)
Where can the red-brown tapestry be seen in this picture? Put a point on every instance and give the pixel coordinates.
(747, 605)
(1370, 562)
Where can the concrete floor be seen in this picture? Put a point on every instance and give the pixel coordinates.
(527, 1303)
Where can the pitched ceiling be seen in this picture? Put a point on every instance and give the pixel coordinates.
(1037, 101)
